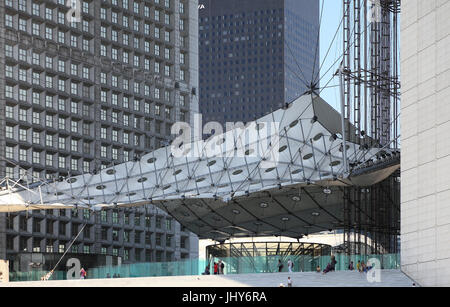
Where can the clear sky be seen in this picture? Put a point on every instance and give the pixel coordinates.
(332, 15)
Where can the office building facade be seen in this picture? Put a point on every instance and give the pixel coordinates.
(85, 84)
(255, 56)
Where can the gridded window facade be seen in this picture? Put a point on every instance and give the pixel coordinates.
(249, 56)
(51, 98)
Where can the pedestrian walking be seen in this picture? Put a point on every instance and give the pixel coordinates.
(83, 273)
(290, 265)
(222, 267)
(280, 265)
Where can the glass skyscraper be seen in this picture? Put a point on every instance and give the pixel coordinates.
(255, 56)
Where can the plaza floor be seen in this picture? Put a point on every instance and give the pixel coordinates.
(388, 278)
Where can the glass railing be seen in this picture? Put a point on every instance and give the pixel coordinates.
(35, 275)
(232, 265)
(303, 263)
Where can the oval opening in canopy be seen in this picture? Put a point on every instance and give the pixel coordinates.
(318, 137)
(270, 169)
(250, 151)
(143, 179)
(177, 172)
(151, 160)
(335, 163)
(293, 124)
(100, 187)
(282, 148)
(308, 156)
(72, 180)
(110, 172)
(211, 163)
(239, 171)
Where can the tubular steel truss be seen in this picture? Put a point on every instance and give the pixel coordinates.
(371, 98)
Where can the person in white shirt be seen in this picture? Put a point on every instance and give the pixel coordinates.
(290, 265)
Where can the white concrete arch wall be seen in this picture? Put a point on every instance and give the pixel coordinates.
(425, 208)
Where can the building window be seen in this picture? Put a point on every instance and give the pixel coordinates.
(86, 166)
(49, 120)
(23, 135)
(9, 132)
(74, 126)
(104, 216)
(62, 162)
(36, 137)
(158, 222)
(158, 239)
(9, 151)
(74, 164)
(115, 235)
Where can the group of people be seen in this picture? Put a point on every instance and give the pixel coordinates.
(362, 267)
(331, 267)
(218, 268)
(281, 265)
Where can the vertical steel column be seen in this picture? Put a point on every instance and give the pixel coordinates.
(370, 61)
(385, 72)
(374, 68)
(347, 63)
(357, 67)
(345, 86)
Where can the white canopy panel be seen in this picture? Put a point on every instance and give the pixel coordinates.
(301, 147)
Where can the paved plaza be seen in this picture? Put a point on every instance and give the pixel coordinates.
(389, 278)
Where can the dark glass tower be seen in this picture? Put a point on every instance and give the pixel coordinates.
(253, 55)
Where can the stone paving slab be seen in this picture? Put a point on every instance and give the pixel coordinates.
(389, 278)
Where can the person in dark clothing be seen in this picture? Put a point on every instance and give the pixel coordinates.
(280, 265)
(222, 266)
(331, 267)
(216, 268)
(206, 271)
